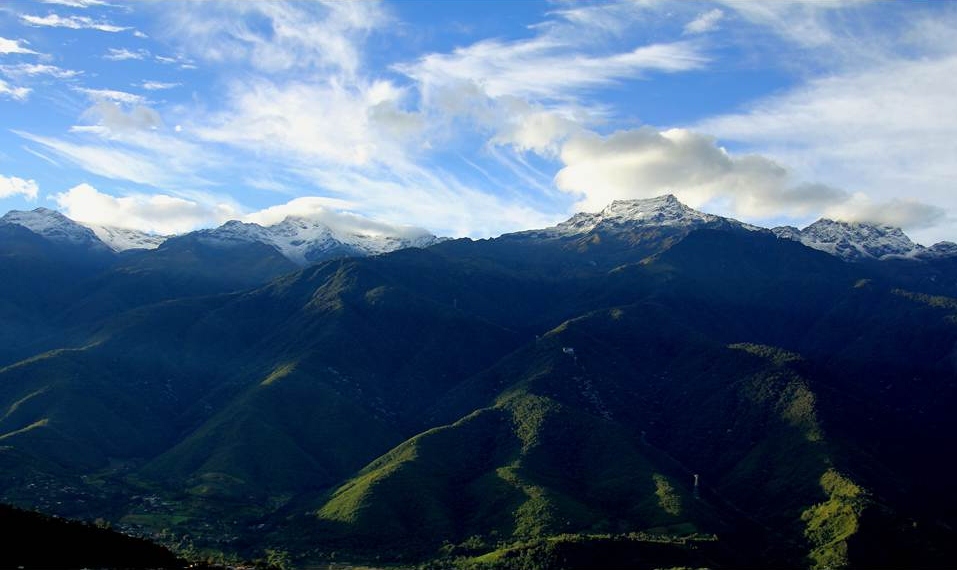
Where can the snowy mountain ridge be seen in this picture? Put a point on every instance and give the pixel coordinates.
(858, 241)
(622, 215)
(54, 226)
(122, 239)
(305, 241)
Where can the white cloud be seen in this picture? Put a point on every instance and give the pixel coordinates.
(885, 131)
(123, 54)
(158, 85)
(34, 69)
(804, 23)
(430, 198)
(12, 186)
(529, 94)
(108, 161)
(545, 68)
(329, 212)
(15, 46)
(77, 3)
(16, 93)
(112, 95)
(904, 213)
(159, 213)
(644, 162)
(110, 116)
(71, 22)
(337, 124)
(705, 22)
(274, 36)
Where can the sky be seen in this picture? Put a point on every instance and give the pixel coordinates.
(478, 118)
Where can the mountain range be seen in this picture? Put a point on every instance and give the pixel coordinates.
(648, 386)
(301, 240)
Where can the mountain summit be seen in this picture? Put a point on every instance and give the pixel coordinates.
(628, 215)
(305, 241)
(858, 241)
(53, 226)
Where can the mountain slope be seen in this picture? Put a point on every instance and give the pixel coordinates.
(77, 545)
(498, 393)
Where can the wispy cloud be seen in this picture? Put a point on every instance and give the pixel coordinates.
(17, 93)
(878, 130)
(111, 95)
(705, 22)
(158, 85)
(111, 162)
(123, 54)
(543, 68)
(34, 69)
(181, 61)
(334, 123)
(71, 22)
(296, 35)
(13, 186)
(77, 3)
(15, 46)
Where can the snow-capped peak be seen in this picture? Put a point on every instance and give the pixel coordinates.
(621, 215)
(305, 240)
(661, 211)
(854, 241)
(54, 226)
(122, 239)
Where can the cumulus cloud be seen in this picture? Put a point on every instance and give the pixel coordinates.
(903, 213)
(15, 46)
(111, 116)
(539, 132)
(16, 93)
(705, 22)
(13, 186)
(71, 22)
(645, 162)
(158, 213)
(34, 69)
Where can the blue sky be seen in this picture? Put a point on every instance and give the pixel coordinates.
(477, 118)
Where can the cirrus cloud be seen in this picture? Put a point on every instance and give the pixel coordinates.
(71, 22)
